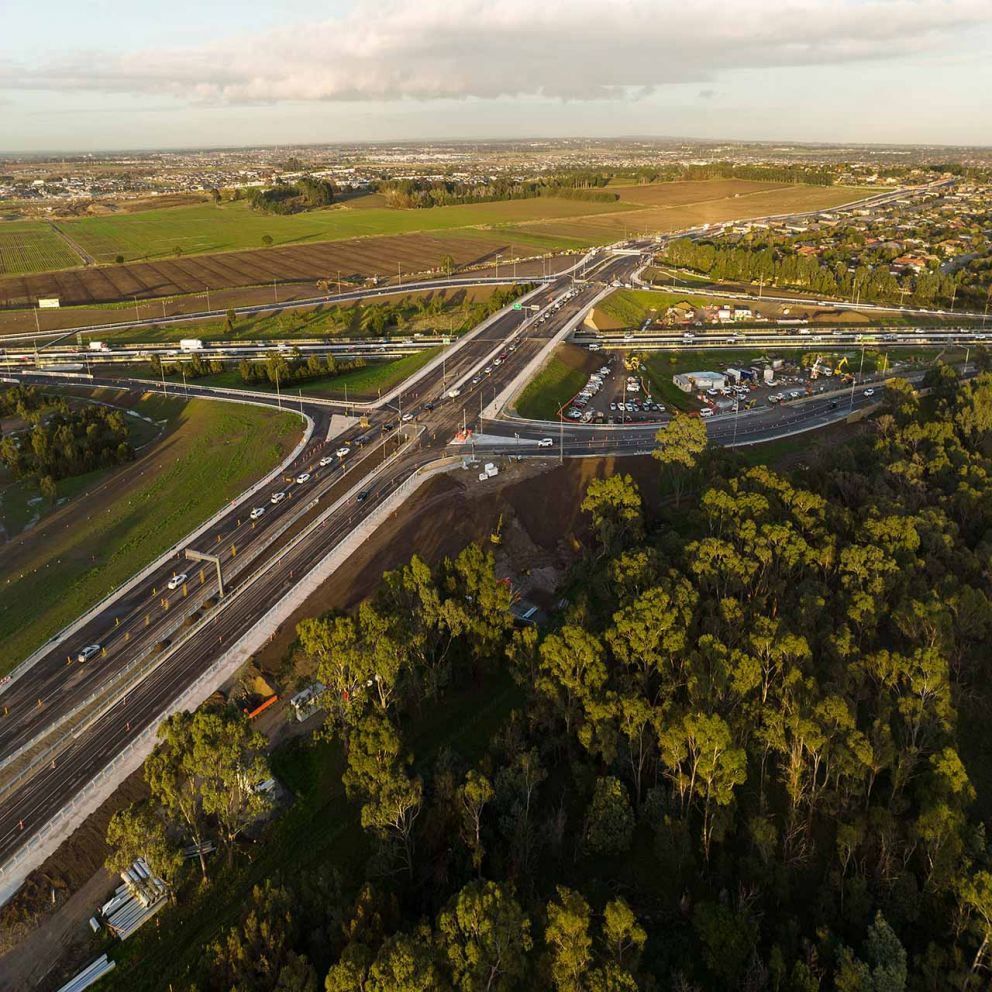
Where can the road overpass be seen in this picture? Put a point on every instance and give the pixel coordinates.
(63, 723)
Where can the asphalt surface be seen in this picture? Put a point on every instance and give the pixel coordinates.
(61, 684)
(33, 703)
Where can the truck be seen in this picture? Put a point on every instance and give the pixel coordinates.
(99, 346)
(190, 344)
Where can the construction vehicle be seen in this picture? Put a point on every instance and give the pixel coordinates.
(496, 537)
(632, 363)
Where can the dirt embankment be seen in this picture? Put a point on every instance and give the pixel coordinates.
(535, 509)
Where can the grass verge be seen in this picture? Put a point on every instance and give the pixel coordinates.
(564, 374)
(78, 554)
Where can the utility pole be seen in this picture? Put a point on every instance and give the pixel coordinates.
(399, 275)
(137, 315)
(278, 396)
(275, 295)
(207, 288)
(339, 282)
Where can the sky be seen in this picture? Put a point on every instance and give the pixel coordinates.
(91, 75)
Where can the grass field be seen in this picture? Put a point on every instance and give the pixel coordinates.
(565, 373)
(21, 502)
(26, 246)
(359, 385)
(73, 558)
(357, 242)
(715, 201)
(230, 226)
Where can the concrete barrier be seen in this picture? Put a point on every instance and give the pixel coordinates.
(67, 631)
(509, 394)
(91, 795)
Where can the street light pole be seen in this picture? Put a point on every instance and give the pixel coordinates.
(858, 376)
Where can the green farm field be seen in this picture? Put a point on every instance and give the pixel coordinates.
(230, 226)
(33, 247)
(221, 246)
(75, 556)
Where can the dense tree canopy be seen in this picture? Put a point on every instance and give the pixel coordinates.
(745, 756)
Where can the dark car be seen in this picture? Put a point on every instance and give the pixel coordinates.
(363, 495)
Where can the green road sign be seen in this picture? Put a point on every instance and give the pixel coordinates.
(518, 306)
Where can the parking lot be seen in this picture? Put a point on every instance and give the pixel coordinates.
(614, 394)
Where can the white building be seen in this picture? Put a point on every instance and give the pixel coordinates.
(690, 382)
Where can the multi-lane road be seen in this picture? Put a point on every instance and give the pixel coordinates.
(150, 651)
(141, 628)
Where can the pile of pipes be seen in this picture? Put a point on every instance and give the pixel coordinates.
(135, 902)
(89, 975)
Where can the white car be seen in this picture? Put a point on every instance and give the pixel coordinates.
(177, 580)
(88, 652)
(407, 417)
(277, 498)
(257, 512)
(341, 452)
(325, 461)
(545, 442)
(706, 412)
(869, 392)
(302, 477)
(487, 370)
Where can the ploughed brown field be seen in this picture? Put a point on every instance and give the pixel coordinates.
(353, 259)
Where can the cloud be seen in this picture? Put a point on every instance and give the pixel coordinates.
(487, 49)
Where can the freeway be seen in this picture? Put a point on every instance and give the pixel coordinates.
(152, 651)
(137, 625)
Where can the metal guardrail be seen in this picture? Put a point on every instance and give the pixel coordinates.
(70, 628)
(132, 668)
(144, 741)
